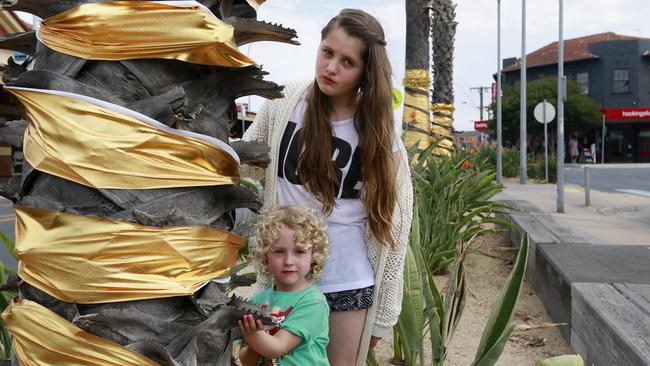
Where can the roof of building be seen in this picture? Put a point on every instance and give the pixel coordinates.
(574, 49)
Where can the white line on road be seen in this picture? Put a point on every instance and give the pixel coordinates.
(635, 191)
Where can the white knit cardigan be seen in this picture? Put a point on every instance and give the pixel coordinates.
(387, 263)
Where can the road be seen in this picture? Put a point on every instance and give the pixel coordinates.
(632, 180)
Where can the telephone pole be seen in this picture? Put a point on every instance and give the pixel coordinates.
(481, 90)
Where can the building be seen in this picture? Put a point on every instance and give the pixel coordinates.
(244, 120)
(469, 139)
(614, 70)
(10, 157)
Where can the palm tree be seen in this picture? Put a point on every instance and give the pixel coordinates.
(443, 33)
(183, 330)
(416, 118)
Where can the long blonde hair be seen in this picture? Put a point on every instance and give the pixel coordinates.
(373, 121)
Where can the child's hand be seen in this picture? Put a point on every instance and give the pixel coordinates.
(248, 325)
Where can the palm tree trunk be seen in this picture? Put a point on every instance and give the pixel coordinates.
(185, 330)
(443, 31)
(416, 117)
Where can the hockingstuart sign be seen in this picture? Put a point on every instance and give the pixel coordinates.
(626, 114)
(481, 125)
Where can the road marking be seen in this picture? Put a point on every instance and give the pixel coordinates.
(571, 190)
(7, 219)
(635, 191)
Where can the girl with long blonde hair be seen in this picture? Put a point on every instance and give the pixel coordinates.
(334, 148)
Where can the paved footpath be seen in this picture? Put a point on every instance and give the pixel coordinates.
(590, 266)
(612, 218)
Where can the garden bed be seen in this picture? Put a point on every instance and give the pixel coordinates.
(487, 268)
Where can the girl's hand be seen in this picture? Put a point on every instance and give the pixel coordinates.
(373, 341)
(249, 325)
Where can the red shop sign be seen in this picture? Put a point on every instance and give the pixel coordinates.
(626, 114)
(480, 125)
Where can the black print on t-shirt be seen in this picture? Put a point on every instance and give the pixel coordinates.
(342, 154)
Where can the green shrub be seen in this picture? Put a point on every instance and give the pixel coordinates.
(510, 162)
(453, 197)
(536, 170)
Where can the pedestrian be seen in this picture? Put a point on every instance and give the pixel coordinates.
(334, 148)
(291, 245)
(573, 148)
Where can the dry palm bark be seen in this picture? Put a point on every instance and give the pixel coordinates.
(443, 33)
(182, 330)
(416, 76)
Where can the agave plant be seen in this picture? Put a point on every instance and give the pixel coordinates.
(5, 297)
(453, 206)
(426, 312)
(565, 360)
(196, 329)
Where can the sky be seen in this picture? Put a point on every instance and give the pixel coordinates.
(475, 56)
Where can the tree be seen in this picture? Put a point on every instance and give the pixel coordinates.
(197, 326)
(581, 114)
(416, 117)
(443, 33)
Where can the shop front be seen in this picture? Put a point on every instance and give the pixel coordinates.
(628, 135)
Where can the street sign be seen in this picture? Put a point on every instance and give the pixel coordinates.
(480, 125)
(241, 111)
(539, 112)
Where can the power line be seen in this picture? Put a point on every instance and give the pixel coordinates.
(481, 90)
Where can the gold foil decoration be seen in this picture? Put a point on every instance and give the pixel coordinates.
(126, 30)
(43, 338)
(84, 259)
(416, 119)
(103, 145)
(443, 114)
(416, 78)
(442, 127)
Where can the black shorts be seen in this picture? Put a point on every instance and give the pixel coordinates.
(348, 300)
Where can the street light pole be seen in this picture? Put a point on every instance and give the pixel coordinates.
(522, 100)
(499, 142)
(561, 96)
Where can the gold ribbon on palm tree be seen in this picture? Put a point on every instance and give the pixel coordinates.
(416, 109)
(43, 338)
(88, 260)
(442, 127)
(103, 145)
(126, 30)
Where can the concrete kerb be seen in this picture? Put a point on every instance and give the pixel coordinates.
(608, 325)
(560, 261)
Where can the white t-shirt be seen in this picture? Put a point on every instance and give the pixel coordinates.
(348, 266)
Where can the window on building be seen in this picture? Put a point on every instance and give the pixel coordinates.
(621, 81)
(582, 78)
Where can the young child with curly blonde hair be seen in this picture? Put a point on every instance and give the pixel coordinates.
(291, 245)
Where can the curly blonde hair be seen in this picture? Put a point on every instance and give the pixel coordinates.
(311, 233)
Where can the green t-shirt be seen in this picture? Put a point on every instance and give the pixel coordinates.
(304, 313)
